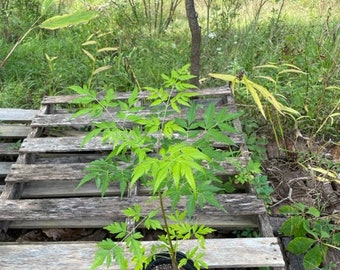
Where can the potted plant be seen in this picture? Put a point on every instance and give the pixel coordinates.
(167, 148)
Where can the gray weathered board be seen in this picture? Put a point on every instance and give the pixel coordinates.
(14, 126)
(219, 253)
(17, 115)
(40, 191)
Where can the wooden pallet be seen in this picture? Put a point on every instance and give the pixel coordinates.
(40, 193)
(14, 127)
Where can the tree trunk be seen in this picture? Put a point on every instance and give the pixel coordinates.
(196, 37)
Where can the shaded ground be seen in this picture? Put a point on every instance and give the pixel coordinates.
(294, 180)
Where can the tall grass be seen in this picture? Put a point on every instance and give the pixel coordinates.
(239, 35)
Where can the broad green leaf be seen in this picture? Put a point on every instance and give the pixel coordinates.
(176, 173)
(208, 116)
(288, 209)
(141, 169)
(313, 258)
(174, 106)
(66, 20)
(313, 211)
(219, 136)
(153, 224)
(300, 245)
(293, 226)
(192, 152)
(119, 229)
(191, 180)
(45, 6)
(133, 212)
(300, 206)
(120, 257)
(336, 239)
(101, 256)
(106, 244)
(133, 97)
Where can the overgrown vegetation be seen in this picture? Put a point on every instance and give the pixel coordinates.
(237, 35)
(262, 44)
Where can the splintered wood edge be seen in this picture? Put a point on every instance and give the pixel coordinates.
(218, 253)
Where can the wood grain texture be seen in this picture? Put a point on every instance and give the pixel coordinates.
(17, 115)
(5, 168)
(62, 144)
(219, 253)
(14, 131)
(216, 91)
(225, 222)
(82, 208)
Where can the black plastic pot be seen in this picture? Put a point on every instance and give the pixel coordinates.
(162, 261)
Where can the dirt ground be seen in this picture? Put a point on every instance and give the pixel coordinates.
(293, 179)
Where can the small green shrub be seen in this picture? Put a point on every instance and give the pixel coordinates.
(156, 152)
(312, 234)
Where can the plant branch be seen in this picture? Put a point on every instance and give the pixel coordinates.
(166, 227)
(18, 43)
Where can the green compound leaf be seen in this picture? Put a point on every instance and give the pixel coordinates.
(101, 256)
(300, 245)
(336, 239)
(313, 211)
(293, 226)
(313, 257)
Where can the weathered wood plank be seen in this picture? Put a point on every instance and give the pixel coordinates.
(68, 119)
(14, 190)
(71, 171)
(82, 208)
(226, 222)
(216, 91)
(17, 115)
(46, 172)
(219, 253)
(62, 189)
(75, 144)
(62, 144)
(5, 168)
(15, 131)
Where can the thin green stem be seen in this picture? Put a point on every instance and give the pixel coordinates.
(172, 250)
(18, 43)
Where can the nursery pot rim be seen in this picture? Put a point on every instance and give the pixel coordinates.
(164, 258)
